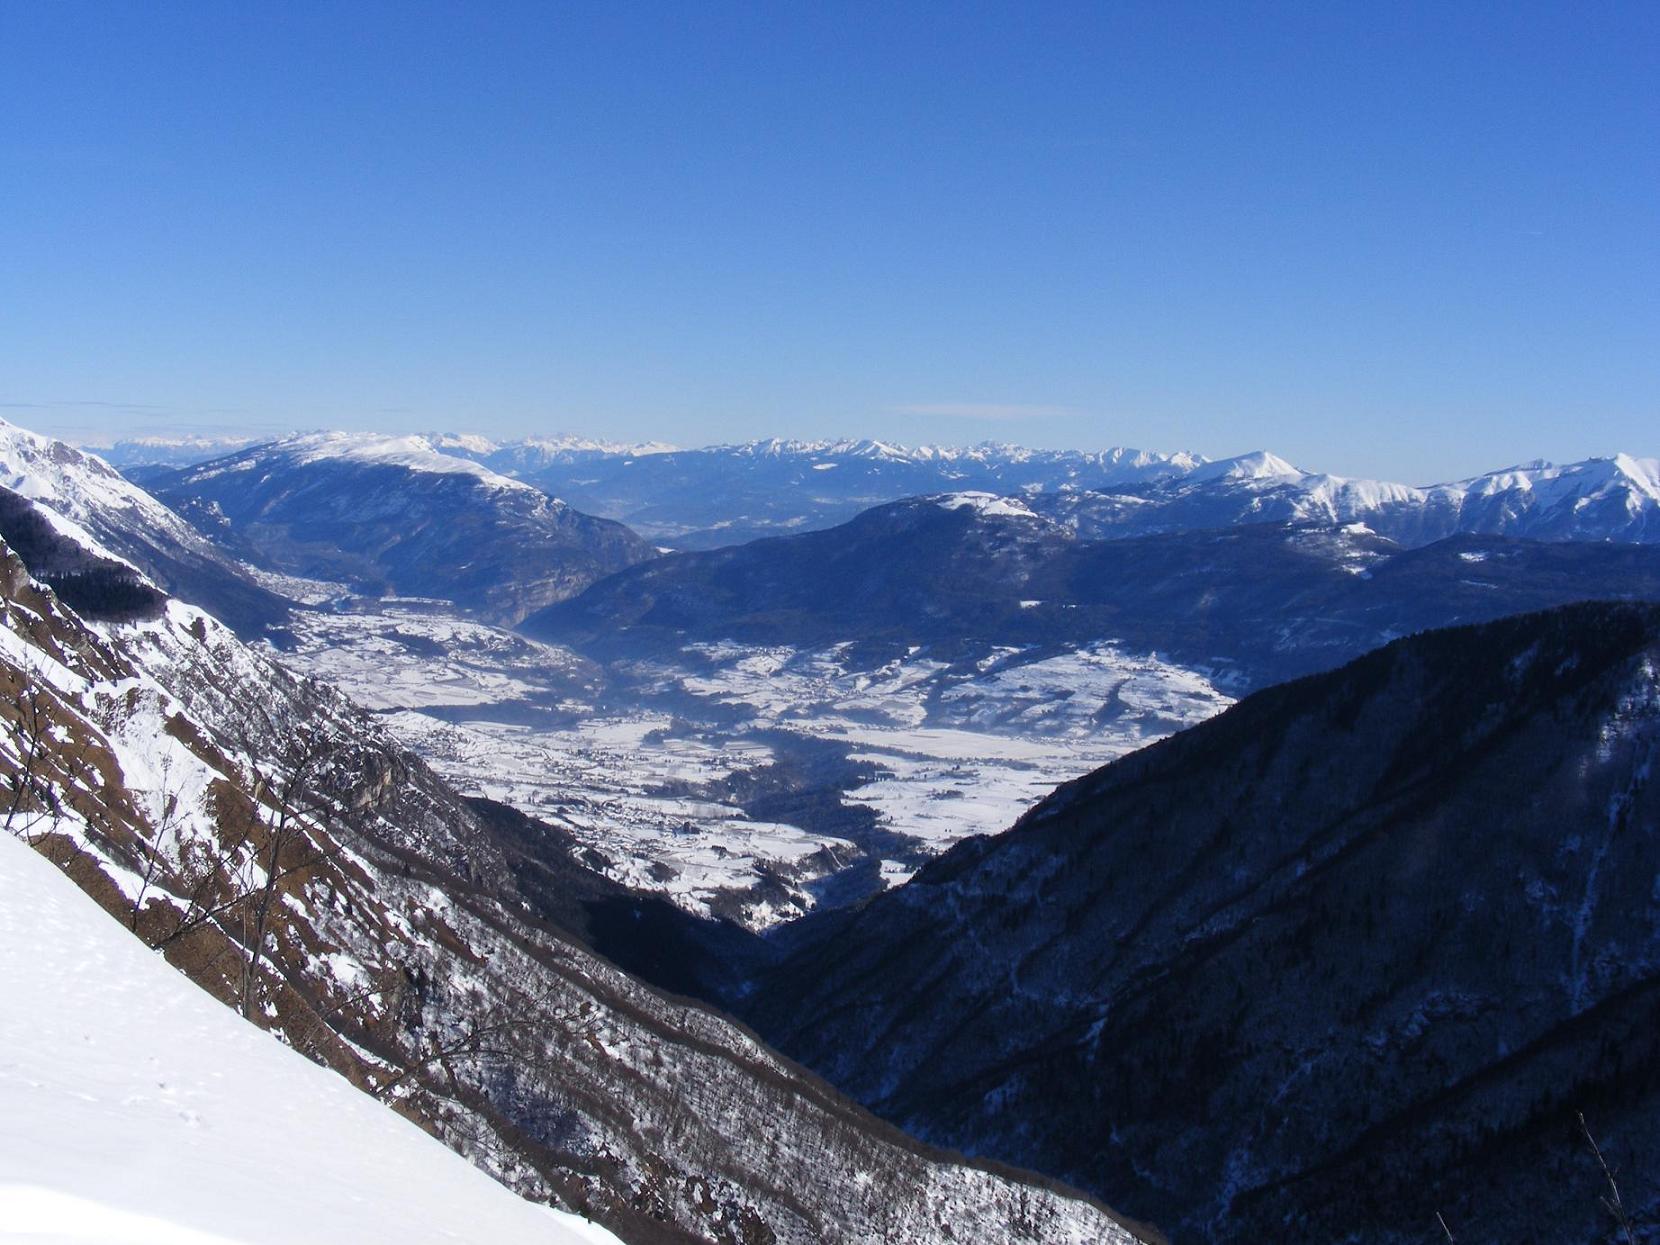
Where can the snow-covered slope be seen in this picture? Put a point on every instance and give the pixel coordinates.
(84, 489)
(138, 1108)
(398, 516)
(127, 521)
(416, 454)
(1614, 499)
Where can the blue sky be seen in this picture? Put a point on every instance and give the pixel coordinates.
(1412, 241)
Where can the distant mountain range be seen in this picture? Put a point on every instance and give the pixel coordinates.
(723, 495)
(127, 454)
(1353, 953)
(1615, 499)
(1247, 567)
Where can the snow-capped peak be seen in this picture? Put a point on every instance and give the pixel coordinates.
(988, 505)
(79, 486)
(567, 443)
(413, 453)
(468, 441)
(1257, 465)
(1551, 482)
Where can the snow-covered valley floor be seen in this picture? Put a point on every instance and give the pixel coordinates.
(137, 1110)
(737, 778)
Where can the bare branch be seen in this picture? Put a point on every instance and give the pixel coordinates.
(1611, 1203)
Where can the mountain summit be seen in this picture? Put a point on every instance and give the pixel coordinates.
(398, 516)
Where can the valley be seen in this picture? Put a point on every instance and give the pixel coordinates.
(877, 624)
(761, 730)
(747, 781)
(1065, 797)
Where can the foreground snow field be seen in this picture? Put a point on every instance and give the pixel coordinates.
(134, 1108)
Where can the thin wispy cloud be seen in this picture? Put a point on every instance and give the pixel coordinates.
(84, 405)
(984, 410)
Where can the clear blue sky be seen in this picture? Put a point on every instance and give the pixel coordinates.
(1391, 239)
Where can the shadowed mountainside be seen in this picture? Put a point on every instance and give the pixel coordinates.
(1352, 953)
(1260, 603)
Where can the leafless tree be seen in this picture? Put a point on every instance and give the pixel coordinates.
(389, 986)
(31, 799)
(1611, 1200)
(291, 790)
(235, 886)
(501, 1032)
(477, 1039)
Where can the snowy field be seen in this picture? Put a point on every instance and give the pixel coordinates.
(137, 1110)
(653, 764)
(415, 656)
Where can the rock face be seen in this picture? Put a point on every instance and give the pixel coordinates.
(1351, 954)
(393, 516)
(276, 846)
(1257, 603)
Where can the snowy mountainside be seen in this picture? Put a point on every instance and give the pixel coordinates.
(124, 520)
(1356, 952)
(397, 516)
(275, 845)
(140, 1108)
(1600, 499)
(96, 583)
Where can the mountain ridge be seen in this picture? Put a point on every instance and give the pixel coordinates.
(1253, 602)
(395, 516)
(776, 485)
(1327, 963)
